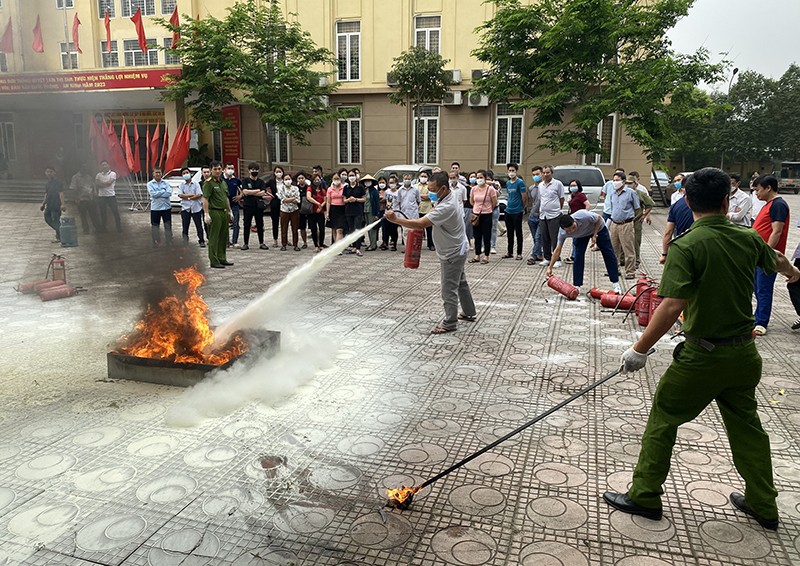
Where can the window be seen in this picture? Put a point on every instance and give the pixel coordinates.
(61, 4)
(170, 58)
(278, 145)
(69, 57)
(8, 145)
(110, 59)
(168, 6)
(129, 7)
(508, 135)
(103, 5)
(134, 56)
(606, 135)
(426, 135)
(350, 137)
(428, 31)
(3, 63)
(348, 46)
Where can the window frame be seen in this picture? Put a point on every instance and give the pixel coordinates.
(509, 118)
(595, 159)
(348, 35)
(150, 42)
(112, 11)
(167, 55)
(130, 11)
(425, 133)
(3, 62)
(166, 12)
(427, 31)
(6, 124)
(68, 49)
(275, 137)
(348, 123)
(65, 4)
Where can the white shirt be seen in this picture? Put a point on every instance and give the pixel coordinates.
(105, 178)
(676, 196)
(550, 195)
(191, 205)
(758, 204)
(449, 234)
(739, 209)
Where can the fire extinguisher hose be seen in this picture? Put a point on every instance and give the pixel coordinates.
(528, 424)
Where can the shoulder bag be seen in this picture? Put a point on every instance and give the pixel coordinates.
(474, 219)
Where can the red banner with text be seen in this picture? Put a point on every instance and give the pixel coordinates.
(90, 81)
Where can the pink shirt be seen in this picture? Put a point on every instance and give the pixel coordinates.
(483, 201)
(336, 195)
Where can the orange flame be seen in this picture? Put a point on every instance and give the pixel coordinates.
(400, 494)
(177, 329)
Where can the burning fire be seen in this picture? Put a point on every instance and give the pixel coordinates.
(177, 329)
(400, 498)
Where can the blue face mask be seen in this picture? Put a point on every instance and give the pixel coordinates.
(678, 184)
(473, 180)
(187, 176)
(537, 178)
(573, 189)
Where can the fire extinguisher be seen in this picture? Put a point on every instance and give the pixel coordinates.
(61, 292)
(569, 291)
(643, 306)
(58, 267)
(655, 300)
(596, 293)
(615, 301)
(413, 249)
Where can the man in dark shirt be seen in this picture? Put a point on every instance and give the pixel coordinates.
(235, 198)
(354, 199)
(253, 205)
(53, 203)
(679, 219)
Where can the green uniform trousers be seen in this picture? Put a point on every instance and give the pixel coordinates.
(729, 376)
(218, 236)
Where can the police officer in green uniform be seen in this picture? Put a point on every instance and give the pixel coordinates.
(709, 277)
(218, 216)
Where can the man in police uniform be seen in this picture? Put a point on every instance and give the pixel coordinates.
(218, 215)
(708, 275)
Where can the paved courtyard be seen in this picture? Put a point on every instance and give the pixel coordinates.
(92, 471)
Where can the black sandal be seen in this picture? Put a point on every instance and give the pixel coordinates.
(468, 318)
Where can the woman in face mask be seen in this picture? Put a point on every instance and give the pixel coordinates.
(425, 206)
(316, 195)
(303, 184)
(371, 209)
(577, 201)
(290, 211)
(483, 198)
(274, 205)
(472, 180)
(334, 208)
(355, 196)
(390, 228)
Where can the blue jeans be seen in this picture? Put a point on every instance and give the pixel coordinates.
(764, 287)
(235, 211)
(467, 225)
(536, 234)
(609, 258)
(495, 219)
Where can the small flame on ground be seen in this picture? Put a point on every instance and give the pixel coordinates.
(399, 495)
(177, 330)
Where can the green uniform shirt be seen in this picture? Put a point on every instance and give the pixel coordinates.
(216, 193)
(646, 202)
(713, 267)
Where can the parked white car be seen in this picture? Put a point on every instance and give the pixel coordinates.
(590, 177)
(400, 170)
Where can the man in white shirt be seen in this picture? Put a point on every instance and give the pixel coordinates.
(191, 196)
(551, 199)
(450, 237)
(106, 181)
(677, 182)
(740, 204)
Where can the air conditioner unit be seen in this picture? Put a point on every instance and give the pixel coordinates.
(391, 79)
(452, 98)
(324, 101)
(477, 100)
(478, 74)
(323, 80)
(455, 76)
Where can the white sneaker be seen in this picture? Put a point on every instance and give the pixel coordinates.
(501, 231)
(558, 264)
(494, 250)
(544, 262)
(580, 290)
(617, 288)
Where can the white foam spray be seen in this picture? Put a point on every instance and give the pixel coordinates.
(258, 312)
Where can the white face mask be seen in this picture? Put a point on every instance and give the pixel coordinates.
(367, 184)
(618, 184)
(481, 181)
(352, 178)
(229, 172)
(287, 182)
(512, 174)
(337, 182)
(278, 176)
(406, 182)
(381, 185)
(393, 186)
(423, 179)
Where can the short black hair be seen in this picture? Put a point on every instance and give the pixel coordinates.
(455, 163)
(735, 177)
(214, 163)
(440, 179)
(767, 181)
(536, 168)
(577, 183)
(253, 165)
(185, 169)
(566, 221)
(230, 163)
(619, 174)
(515, 166)
(706, 189)
(633, 174)
(317, 167)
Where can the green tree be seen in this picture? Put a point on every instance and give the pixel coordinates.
(253, 56)
(574, 62)
(421, 78)
(745, 128)
(692, 117)
(783, 110)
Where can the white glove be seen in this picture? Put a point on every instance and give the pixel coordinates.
(632, 360)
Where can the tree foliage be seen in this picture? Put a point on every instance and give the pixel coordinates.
(253, 56)
(421, 77)
(574, 62)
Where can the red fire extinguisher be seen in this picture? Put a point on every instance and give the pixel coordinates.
(60, 292)
(596, 293)
(413, 248)
(613, 300)
(569, 291)
(58, 267)
(655, 300)
(643, 305)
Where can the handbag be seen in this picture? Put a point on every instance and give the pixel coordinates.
(306, 207)
(475, 219)
(261, 204)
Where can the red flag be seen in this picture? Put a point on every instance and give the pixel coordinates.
(153, 147)
(126, 146)
(38, 41)
(115, 156)
(137, 162)
(96, 141)
(107, 22)
(75, 38)
(7, 41)
(175, 21)
(147, 149)
(179, 151)
(137, 21)
(164, 147)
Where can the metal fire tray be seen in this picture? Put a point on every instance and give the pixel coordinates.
(262, 343)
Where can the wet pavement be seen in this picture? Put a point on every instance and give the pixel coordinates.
(93, 474)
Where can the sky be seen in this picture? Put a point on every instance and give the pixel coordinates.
(721, 26)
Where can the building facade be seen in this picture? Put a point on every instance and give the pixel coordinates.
(47, 99)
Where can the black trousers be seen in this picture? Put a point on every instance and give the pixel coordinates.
(483, 234)
(88, 210)
(275, 214)
(317, 222)
(549, 229)
(794, 291)
(389, 232)
(157, 217)
(249, 214)
(514, 230)
(109, 203)
(186, 218)
(355, 223)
